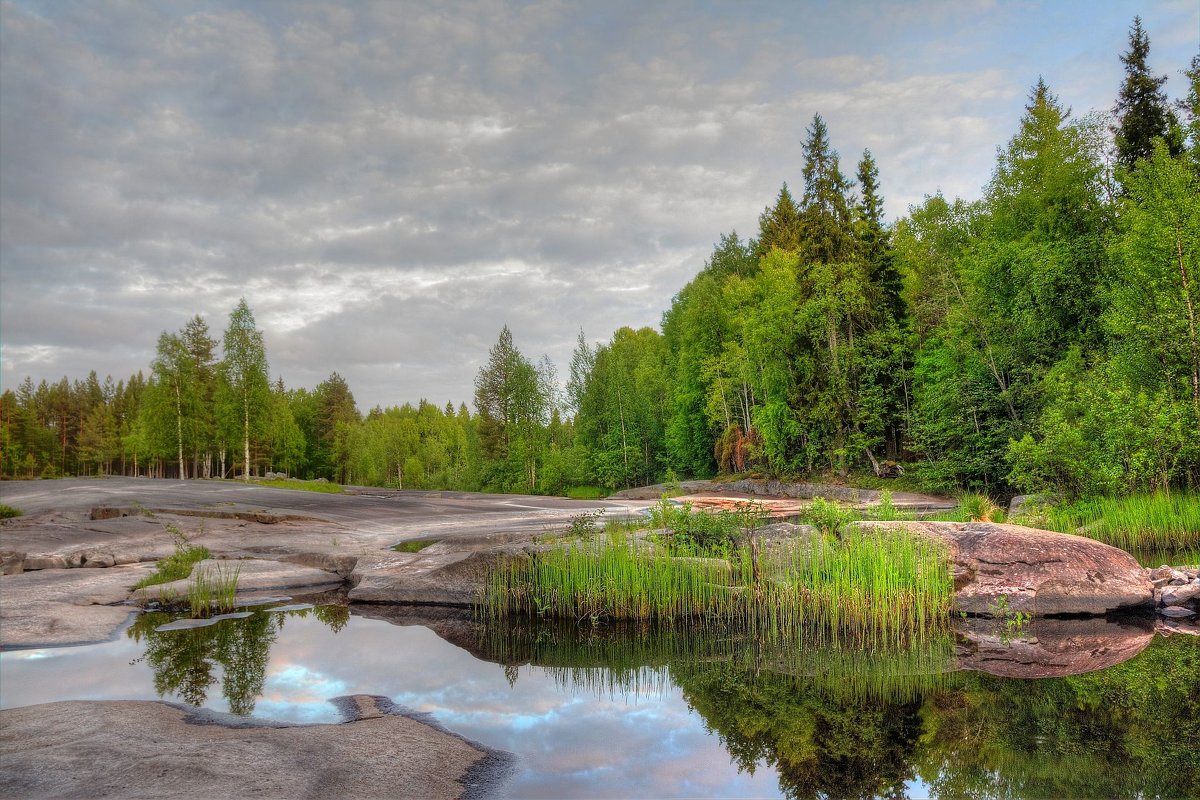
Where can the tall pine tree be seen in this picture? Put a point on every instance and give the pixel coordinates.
(1142, 111)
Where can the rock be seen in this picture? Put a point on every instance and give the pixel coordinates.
(45, 562)
(253, 575)
(442, 574)
(154, 749)
(112, 512)
(1036, 572)
(1024, 503)
(12, 562)
(343, 565)
(1170, 627)
(101, 560)
(1176, 611)
(1180, 595)
(64, 606)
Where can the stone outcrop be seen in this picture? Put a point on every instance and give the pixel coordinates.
(1176, 591)
(1001, 568)
(253, 575)
(447, 573)
(154, 749)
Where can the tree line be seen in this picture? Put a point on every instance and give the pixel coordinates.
(1042, 337)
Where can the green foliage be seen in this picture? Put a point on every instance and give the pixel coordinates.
(888, 584)
(976, 507)
(586, 493)
(414, 545)
(8, 512)
(827, 516)
(178, 565)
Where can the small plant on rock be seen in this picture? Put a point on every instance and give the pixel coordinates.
(827, 516)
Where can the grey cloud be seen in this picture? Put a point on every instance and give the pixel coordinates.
(389, 183)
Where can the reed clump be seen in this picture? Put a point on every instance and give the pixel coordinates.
(214, 588)
(1137, 522)
(178, 565)
(890, 582)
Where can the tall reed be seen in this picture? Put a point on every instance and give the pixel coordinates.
(1137, 522)
(888, 582)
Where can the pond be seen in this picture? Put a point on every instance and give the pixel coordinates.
(652, 712)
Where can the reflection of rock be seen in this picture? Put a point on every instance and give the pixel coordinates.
(151, 749)
(1049, 648)
(1037, 572)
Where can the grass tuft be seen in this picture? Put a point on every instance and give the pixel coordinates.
(8, 512)
(414, 545)
(304, 486)
(887, 582)
(178, 565)
(586, 493)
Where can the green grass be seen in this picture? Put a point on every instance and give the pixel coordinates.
(587, 492)
(1140, 522)
(212, 589)
(887, 582)
(8, 512)
(176, 566)
(414, 545)
(305, 486)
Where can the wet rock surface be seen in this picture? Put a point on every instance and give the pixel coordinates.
(154, 749)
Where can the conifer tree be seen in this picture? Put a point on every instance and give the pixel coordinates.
(825, 210)
(779, 225)
(1142, 111)
(875, 246)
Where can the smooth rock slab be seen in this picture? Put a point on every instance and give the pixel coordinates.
(252, 575)
(142, 749)
(65, 606)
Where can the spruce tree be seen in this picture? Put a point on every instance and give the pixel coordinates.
(874, 241)
(825, 210)
(779, 225)
(1141, 110)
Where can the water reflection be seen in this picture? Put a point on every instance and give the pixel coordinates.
(724, 711)
(185, 662)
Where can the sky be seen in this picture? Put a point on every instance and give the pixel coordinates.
(388, 184)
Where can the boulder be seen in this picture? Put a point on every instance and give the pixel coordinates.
(1180, 595)
(1017, 569)
(455, 578)
(253, 575)
(12, 562)
(1176, 611)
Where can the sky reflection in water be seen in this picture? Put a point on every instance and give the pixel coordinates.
(633, 712)
(574, 744)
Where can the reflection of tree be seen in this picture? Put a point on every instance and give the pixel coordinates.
(822, 746)
(1129, 730)
(184, 661)
(839, 719)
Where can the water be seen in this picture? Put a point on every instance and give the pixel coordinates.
(644, 712)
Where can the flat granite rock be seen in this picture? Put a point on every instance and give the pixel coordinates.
(65, 606)
(1035, 572)
(144, 749)
(253, 575)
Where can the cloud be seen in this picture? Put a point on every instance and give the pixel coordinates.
(387, 184)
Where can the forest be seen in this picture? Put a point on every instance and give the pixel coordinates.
(1041, 338)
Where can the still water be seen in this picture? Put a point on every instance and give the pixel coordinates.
(652, 713)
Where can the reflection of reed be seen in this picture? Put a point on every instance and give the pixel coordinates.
(641, 659)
